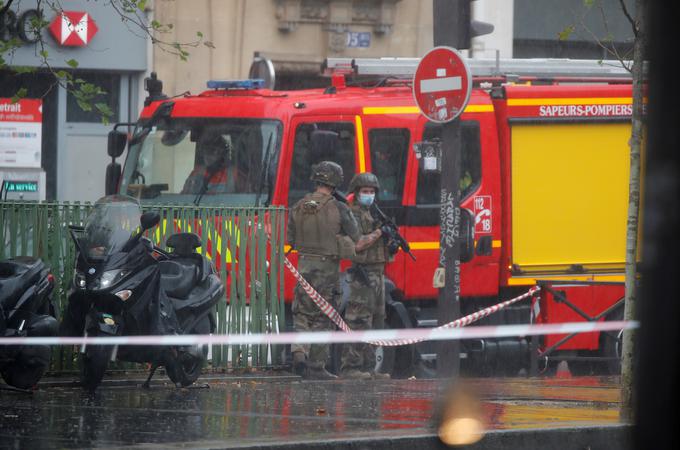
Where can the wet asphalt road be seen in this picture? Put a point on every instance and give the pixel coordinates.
(244, 412)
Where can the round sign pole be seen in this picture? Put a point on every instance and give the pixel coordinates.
(442, 85)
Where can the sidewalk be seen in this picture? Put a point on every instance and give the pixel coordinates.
(286, 413)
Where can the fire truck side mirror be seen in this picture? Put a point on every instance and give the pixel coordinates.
(467, 235)
(112, 177)
(116, 143)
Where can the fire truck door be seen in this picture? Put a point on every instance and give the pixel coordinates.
(299, 158)
(385, 152)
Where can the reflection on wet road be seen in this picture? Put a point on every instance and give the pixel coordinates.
(264, 411)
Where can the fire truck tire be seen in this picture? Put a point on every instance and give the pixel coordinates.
(401, 361)
(610, 344)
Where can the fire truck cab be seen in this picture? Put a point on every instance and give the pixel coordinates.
(544, 174)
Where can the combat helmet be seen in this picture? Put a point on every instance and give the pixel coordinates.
(364, 179)
(328, 173)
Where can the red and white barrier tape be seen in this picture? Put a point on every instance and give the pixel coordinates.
(450, 331)
(318, 300)
(333, 337)
(333, 314)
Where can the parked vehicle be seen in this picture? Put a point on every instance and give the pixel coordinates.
(26, 310)
(124, 285)
(544, 174)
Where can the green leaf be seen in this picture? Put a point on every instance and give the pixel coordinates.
(564, 34)
(85, 106)
(23, 69)
(21, 93)
(199, 34)
(155, 24)
(588, 3)
(72, 63)
(44, 54)
(141, 5)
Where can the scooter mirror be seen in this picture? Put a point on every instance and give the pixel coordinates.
(149, 220)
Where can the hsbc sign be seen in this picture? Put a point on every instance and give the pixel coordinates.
(73, 28)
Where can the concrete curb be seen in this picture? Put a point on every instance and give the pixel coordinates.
(573, 438)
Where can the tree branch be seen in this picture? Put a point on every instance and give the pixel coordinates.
(629, 17)
(6, 7)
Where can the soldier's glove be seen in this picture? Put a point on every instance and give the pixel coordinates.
(387, 230)
(392, 247)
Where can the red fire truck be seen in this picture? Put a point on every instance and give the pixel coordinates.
(544, 174)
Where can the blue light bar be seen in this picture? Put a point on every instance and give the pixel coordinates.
(236, 84)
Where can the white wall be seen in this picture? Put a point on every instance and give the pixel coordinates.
(500, 14)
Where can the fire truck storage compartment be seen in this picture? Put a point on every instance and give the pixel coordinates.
(591, 299)
(569, 196)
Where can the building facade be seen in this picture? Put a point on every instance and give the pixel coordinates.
(297, 35)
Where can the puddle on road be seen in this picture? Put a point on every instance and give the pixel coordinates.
(260, 411)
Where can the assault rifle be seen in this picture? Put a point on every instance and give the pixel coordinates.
(389, 228)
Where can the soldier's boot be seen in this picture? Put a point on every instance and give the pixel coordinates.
(299, 363)
(355, 374)
(319, 373)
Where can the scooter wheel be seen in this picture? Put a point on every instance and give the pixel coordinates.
(93, 364)
(185, 369)
(29, 367)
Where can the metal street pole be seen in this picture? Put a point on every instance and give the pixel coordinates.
(450, 29)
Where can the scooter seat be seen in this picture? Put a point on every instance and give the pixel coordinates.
(179, 276)
(17, 275)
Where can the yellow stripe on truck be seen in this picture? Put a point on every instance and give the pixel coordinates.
(570, 101)
(360, 144)
(529, 281)
(434, 245)
(384, 110)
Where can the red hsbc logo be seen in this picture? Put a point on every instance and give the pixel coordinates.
(73, 28)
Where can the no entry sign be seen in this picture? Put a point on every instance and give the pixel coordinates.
(442, 84)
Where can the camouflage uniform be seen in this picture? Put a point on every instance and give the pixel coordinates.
(366, 308)
(314, 224)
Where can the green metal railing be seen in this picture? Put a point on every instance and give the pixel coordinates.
(235, 239)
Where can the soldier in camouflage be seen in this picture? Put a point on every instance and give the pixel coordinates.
(319, 227)
(366, 308)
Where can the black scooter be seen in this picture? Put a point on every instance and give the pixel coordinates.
(26, 309)
(124, 285)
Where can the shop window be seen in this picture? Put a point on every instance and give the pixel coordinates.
(110, 83)
(429, 184)
(304, 157)
(389, 150)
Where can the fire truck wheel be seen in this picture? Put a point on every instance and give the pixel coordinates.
(610, 344)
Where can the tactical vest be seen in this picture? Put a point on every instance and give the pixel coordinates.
(317, 224)
(376, 253)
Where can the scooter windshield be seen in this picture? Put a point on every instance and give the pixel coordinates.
(111, 224)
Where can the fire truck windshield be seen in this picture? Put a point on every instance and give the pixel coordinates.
(208, 161)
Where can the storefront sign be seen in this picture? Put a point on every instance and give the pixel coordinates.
(19, 25)
(20, 132)
(20, 186)
(73, 28)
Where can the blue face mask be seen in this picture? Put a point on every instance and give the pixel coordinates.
(366, 199)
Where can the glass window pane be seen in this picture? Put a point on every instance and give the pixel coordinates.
(304, 157)
(206, 161)
(389, 149)
(110, 83)
(428, 190)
